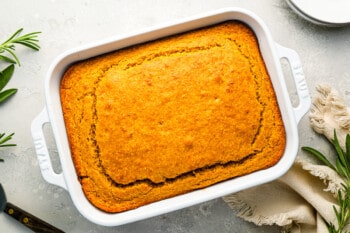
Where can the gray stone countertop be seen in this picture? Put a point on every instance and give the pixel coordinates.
(324, 54)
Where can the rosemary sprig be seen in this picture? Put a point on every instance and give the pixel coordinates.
(29, 40)
(7, 54)
(342, 167)
(3, 140)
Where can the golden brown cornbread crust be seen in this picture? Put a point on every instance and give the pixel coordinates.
(166, 117)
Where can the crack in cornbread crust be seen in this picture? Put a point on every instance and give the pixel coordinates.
(109, 149)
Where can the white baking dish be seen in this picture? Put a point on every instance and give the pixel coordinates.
(52, 113)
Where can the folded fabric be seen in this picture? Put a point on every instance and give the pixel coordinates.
(302, 199)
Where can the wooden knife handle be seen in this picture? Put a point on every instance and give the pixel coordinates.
(29, 220)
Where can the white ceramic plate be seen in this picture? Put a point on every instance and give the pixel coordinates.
(323, 12)
(52, 113)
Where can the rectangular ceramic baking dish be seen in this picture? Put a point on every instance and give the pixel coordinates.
(52, 113)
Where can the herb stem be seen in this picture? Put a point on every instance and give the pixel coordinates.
(7, 54)
(342, 167)
(29, 40)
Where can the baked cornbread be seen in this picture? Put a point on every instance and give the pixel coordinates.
(170, 116)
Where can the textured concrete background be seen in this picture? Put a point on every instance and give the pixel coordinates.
(324, 53)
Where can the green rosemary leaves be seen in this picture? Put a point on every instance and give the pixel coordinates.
(342, 167)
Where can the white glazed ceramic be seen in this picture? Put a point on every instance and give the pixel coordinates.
(52, 113)
(323, 12)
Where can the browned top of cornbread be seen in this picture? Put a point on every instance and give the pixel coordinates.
(170, 116)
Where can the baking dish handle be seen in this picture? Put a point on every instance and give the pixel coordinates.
(299, 80)
(43, 153)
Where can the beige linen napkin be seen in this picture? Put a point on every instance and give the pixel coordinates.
(306, 194)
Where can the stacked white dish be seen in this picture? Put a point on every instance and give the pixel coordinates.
(334, 13)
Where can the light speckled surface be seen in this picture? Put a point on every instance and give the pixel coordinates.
(324, 53)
